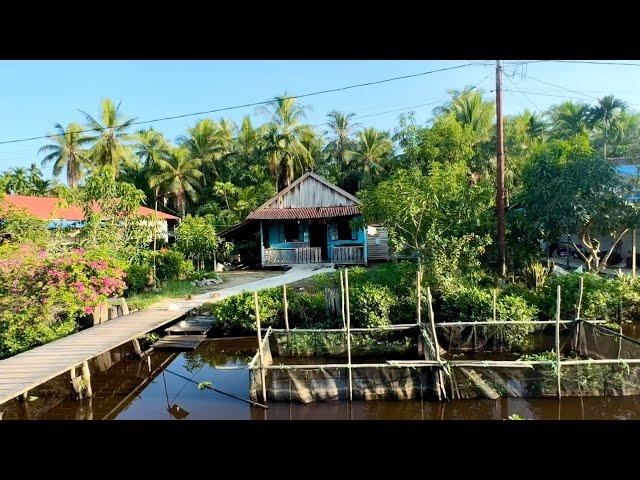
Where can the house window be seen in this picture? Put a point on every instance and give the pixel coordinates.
(291, 232)
(344, 231)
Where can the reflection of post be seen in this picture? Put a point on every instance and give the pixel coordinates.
(262, 375)
(348, 312)
(558, 340)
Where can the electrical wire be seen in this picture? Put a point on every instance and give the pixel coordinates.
(253, 104)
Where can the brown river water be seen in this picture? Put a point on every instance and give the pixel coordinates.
(149, 389)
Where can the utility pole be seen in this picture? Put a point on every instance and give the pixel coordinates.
(155, 234)
(502, 264)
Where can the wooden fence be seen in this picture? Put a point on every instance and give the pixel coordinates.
(348, 255)
(288, 256)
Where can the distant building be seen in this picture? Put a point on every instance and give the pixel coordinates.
(50, 209)
(310, 221)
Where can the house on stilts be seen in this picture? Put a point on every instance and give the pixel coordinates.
(310, 221)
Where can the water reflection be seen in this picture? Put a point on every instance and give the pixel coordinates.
(130, 388)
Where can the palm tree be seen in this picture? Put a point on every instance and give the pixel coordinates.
(568, 119)
(150, 145)
(67, 152)
(209, 142)
(109, 146)
(340, 148)
(286, 155)
(177, 176)
(605, 114)
(372, 148)
(469, 108)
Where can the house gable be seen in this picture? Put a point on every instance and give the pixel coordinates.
(311, 191)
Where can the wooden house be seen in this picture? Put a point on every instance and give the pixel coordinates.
(310, 221)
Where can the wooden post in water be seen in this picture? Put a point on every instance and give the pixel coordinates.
(419, 294)
(436, 345)
(75, 381)
(86, 375)
(344, 318)
(262, 375)
(348, 314)
(580, 298)
(558, 340)
(285, 305)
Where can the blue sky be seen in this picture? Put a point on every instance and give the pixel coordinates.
(36, 94)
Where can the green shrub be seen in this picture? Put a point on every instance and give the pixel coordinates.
(307, 310)
(236, 314)
(514, 308)
(371, 305)
(465, 303)
(172, 265)
(137, 277)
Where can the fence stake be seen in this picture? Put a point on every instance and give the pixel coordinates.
(285, 304)
(419, 293)
(436, 345)
(344, 322)
(262, 375)
(495, 313)
(580, 298)
(558, 340)
(348, 312)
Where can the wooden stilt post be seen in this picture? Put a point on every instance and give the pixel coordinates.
(344, 318)
(436, 345)
(285, 305)
(580, 298)
(419, 294)
(348, 314)
(262, 375)
(75, 381)
(136, 347)
(86, 375)
(633, 252)
(558, 340)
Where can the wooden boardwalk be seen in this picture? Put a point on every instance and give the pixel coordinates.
(25, 371)
(22, 372)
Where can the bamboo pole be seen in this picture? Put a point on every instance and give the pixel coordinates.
(344, 321)
(419, 293)
(633, 252)
(580, 298)
(348, 314)
(436, 346)
(262, 375)
(285, 305)
(558, 340)
(495, 297)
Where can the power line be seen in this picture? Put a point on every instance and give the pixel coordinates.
(593, 62)
(561, 87)
(522, 93)
(253, 104)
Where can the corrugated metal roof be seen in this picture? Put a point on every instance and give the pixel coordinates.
(303, 213)
(46, 208)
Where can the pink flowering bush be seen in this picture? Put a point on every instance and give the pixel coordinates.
(42, 296)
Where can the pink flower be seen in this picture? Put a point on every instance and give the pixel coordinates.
(88, 310)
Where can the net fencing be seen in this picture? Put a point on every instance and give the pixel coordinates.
(480, 360)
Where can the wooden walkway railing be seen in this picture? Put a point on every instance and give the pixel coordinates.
(348, 255)
(289, 256)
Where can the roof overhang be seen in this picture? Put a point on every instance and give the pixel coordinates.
(304, 213)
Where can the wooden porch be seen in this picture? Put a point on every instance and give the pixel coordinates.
(351, 255)
(290, 256)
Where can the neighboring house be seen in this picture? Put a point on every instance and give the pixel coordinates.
(310, 221)
(51, 209)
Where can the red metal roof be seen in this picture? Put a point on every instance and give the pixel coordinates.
(303, 213)
(47, 208)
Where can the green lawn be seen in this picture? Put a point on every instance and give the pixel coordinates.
(171, 289)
